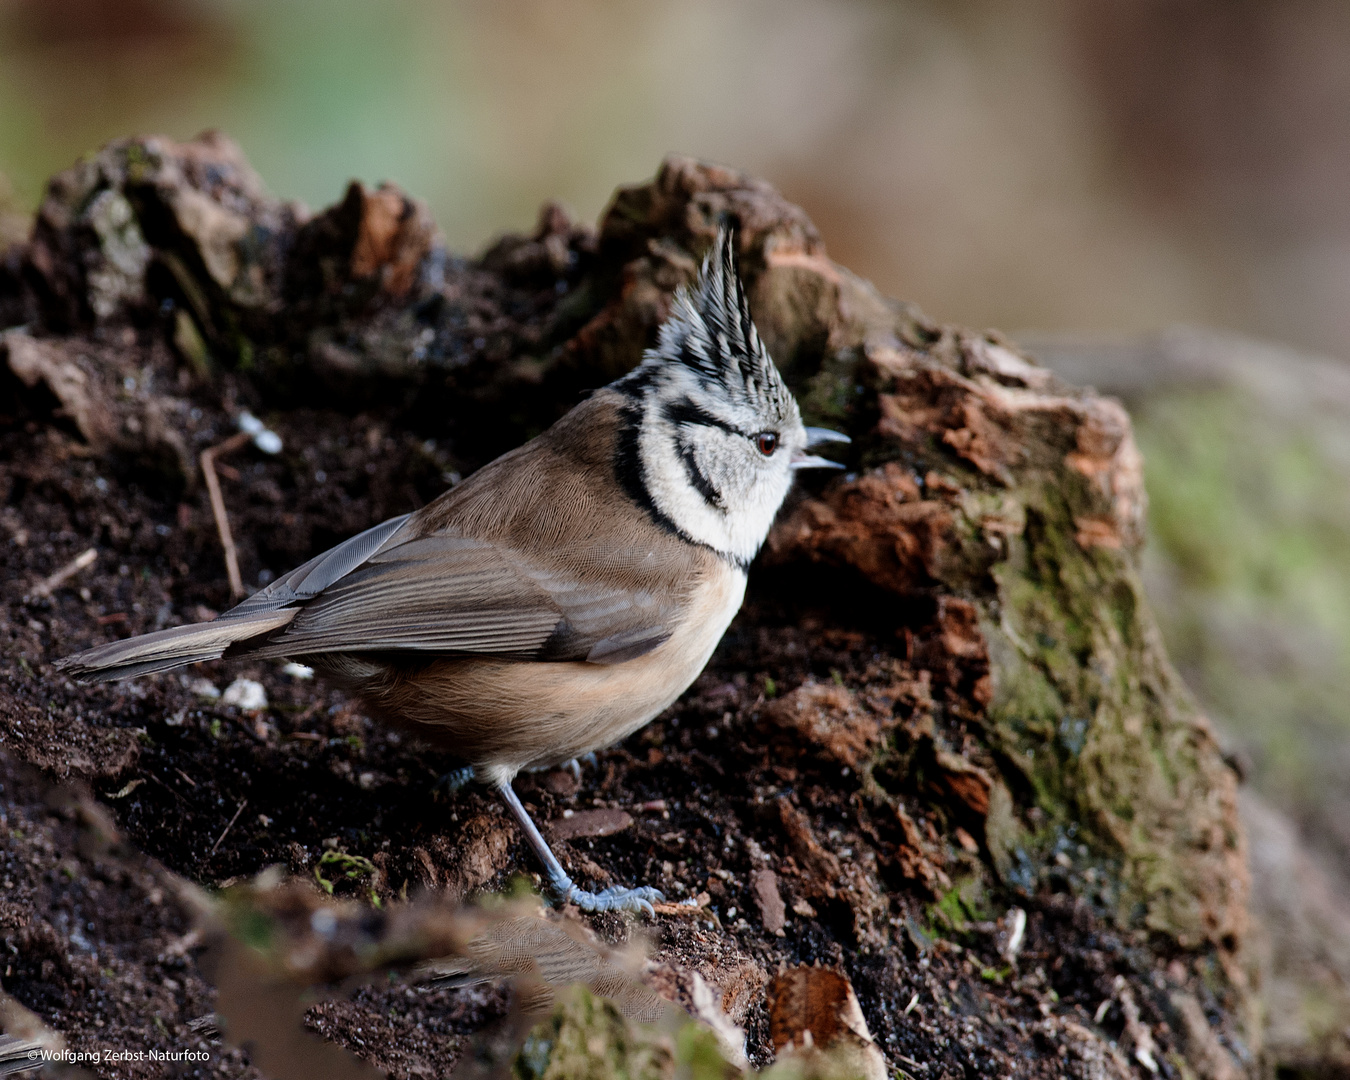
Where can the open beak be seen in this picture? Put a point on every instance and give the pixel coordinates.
(817, 437)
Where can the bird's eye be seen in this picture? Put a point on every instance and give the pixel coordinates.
(766, 442)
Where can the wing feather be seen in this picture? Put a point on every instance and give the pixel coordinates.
(434, 594)
(453, 578)
(311, 578)
(452, 594)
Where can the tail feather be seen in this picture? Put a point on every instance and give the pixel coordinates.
(175, 647)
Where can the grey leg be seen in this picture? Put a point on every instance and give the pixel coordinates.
(455, 780)
(572, 765)
(615, 898)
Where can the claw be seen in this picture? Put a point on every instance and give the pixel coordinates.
(615, 898)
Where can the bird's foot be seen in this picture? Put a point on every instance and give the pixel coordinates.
(571, 765)
(615, 898)
(455, 780)
(559, 884)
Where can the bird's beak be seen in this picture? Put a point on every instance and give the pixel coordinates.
(817, 437)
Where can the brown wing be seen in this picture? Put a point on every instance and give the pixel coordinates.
(309, 579)
(453, 594)
(250, 625)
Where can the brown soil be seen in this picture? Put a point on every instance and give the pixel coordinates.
(96, 939)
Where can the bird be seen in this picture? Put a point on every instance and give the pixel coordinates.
(562, 596)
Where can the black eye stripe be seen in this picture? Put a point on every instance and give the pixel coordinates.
(629, 471)
(686, 411)
(699, 480)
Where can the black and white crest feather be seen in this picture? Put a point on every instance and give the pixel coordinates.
(710, 331)
(702, 408)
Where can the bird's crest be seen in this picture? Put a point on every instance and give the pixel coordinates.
(711, 332)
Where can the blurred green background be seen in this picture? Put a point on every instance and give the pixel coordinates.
(1048, 163)
(1083, 174)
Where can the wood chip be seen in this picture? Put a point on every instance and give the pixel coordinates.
(832, 719)
(227, 828)
(814, 1009)
(81, 561)
(772, 912)
(130, 787)
(208, 459)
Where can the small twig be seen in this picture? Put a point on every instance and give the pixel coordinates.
(161, 783)
(208, 459)
(48, 585)
(227, 828)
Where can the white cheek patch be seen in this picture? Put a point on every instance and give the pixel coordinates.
(698, 461)
(749, 492)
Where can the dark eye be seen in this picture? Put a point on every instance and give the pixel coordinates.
(766, 442)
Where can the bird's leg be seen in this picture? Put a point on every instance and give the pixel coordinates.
(571, 765)
(455, 780)
(612, 899)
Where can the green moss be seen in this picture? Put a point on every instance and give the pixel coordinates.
(1103, 733)
(251, 926)
(335, 867)
(699, 1056)
(829, 396)
(965, 902)
(587, 1036)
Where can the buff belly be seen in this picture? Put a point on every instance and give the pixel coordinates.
(502, 716)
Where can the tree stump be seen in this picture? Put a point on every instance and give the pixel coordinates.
(942, 751)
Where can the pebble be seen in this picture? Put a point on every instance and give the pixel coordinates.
(205, 688)
(269, 442)
(246, 695)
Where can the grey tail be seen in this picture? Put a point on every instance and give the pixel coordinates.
(175, 647)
